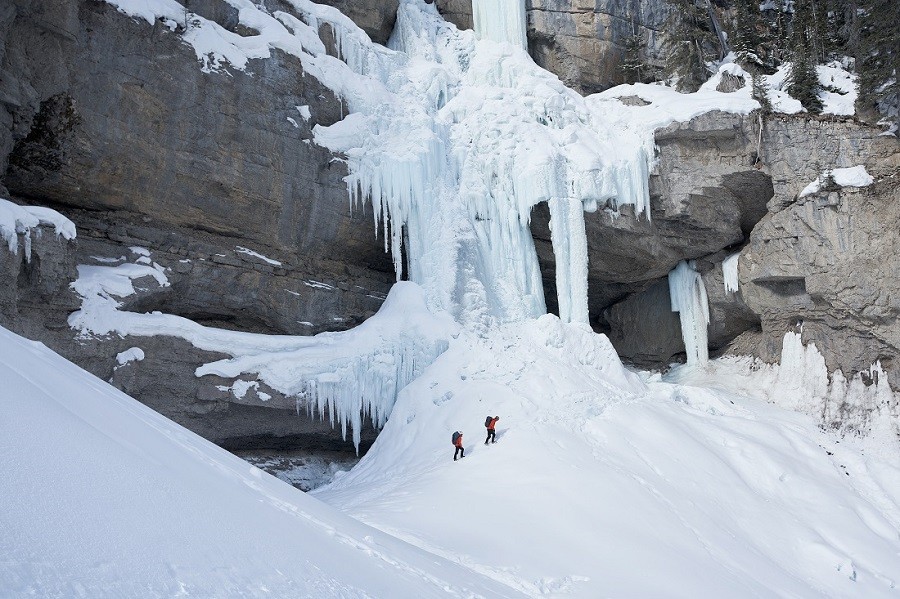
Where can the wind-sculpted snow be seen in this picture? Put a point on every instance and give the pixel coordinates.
(103, 497)
(350, 376)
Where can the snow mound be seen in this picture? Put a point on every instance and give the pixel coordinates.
(103, 497)
(854, 176)
(134, 354)
(18, 220)
(839, 89)
(601, 485)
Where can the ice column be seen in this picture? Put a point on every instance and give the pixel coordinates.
(730, 272)
(688, 295)
(500, 21)
(570, 248)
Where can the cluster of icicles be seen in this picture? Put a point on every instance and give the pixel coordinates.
(469, 137)
(366, 385)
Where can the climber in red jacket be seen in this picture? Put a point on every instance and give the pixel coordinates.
(491, 424)
(458, 443)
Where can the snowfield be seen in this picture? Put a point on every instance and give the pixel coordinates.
(603, 482)
(103, 497)
(605, 485)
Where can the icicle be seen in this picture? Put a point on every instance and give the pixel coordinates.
(500, 21)
(730, 272)
(569, 241)
(688, 296)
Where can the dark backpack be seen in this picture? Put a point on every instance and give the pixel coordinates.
(455, 437)
(487, 421)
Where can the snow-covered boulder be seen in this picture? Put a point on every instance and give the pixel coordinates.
(37, 262)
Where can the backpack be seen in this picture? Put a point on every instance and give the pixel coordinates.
(487, 421)
(455, 437)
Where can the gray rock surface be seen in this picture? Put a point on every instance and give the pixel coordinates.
(829, 260)
(705, 196)
(34, 286)
(112, 122)
(582, 41)
(375, 17)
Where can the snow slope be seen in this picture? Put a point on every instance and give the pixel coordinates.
(102, 497)
(602, 485)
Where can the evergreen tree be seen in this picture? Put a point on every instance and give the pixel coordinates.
(690, 43)
(634, 66)
(803, 82)
(759, 93)
(878, 60)
(747, 41)
(775, 39)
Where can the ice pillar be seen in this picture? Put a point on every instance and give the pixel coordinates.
(688, 295)
(570, 249)
(500, 21)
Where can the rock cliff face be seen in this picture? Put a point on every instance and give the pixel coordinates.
(831, 260)
(828, 261)
(114, 123)
(582, 41)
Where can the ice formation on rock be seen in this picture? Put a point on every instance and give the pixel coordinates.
(495, 135)
(730, 272)
(500, 21)
(858, 405)
(453, 139)
(18, 220)
(688, 298)
(350, 375)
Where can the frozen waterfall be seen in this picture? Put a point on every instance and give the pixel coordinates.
(500, 21)
(688, 297)
(453, 137)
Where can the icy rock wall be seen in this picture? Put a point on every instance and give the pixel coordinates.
(16, 221)
(355, 374)
(856, 406)
(688, 294)
(465, 138)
